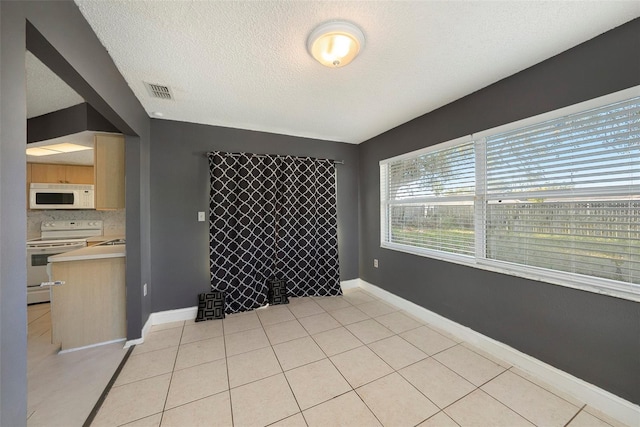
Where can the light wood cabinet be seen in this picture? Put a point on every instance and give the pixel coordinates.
(90, 307)
(109, 171)
(54, 173)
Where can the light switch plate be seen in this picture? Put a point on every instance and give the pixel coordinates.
(375, 263)
(201, 217)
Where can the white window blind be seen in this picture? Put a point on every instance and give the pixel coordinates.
(565, 194)
(428, 200)
(558, 200)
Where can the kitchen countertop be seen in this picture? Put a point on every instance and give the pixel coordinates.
(91, 252)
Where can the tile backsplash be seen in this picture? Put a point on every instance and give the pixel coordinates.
(114, 221)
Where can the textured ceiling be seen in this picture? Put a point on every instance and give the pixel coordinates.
(46, 92)
(244, 64)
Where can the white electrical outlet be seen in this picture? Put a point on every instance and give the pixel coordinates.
(375, 263)
(201, 217)
(144, 289)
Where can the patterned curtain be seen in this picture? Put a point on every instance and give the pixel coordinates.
(272, 217)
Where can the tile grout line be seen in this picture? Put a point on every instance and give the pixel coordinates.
(226, 364)
(284, 375)
(166, 398)
(576, 414)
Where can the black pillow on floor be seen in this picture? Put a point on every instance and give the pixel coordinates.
(278, 292)
(210, 306)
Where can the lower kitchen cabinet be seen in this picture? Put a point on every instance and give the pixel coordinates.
(90, 307)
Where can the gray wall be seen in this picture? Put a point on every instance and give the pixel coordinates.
(179, 188)
(594, 337)
(68, 46)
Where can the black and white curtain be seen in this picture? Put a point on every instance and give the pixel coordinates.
(272, 217)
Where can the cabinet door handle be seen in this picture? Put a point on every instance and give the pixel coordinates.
(55, 283)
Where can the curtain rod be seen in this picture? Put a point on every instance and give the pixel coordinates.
(337, 162)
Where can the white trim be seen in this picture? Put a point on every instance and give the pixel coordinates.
(145, 330)
(581, 107)
(71, 350)
(609, 403)
(350, 284)
(560, 278)
(169, 316)
(433, 147)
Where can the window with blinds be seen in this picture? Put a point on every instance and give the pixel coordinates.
(428, 200)
(561, 196)
(565, 194)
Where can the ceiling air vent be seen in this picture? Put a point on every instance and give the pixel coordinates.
(158, 91)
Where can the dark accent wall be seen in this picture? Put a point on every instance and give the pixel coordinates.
(592, 336)
(180, 188)
(57, 33)
(66, 121)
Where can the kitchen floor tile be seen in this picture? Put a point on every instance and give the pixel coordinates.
(332, 303)
(298, 352)
(188, 385)
(428, 340)
(357, 297)
(376, 308)
(397, 352)
(169, 325)
(603, 417)
(147, 365)
(470, 365)
(398, 322)
(159, 340)
(360, 366)
(263, 402)
(395, 402)
(529, 400)
(212, 410)
(336, 341)
(133, 401)
(285, 331)
(369, 331)
(296, 420)
(439, 383)
(201, 331)
(481, 410)
(439, 420)
(151, 421)
(199, 352)
(251, 366)
(319, 323)
(349, 315)
(242, 342)
(307, 308)
(274, 314)
(585, 419)
(316, 382)
(239, 322)
(345, 410)
(544, 385)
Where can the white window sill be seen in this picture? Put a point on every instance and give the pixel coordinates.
(585, 283)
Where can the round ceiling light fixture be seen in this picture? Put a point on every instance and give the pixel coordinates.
(335, 43)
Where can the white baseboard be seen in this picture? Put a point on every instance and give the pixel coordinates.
(612, 405)
(190, 313)
(71, 350)
(350, 284)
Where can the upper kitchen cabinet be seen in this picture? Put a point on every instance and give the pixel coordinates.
(109, 171)
(57, 173)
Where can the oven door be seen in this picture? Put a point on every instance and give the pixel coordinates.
(37, 255)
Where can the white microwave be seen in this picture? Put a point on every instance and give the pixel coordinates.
(61, 196)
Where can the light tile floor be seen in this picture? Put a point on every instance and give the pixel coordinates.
(334, 361)
(62, 389)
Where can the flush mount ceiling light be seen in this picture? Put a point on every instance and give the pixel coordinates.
(335, 43)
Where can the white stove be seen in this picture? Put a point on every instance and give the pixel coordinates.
(56, 237)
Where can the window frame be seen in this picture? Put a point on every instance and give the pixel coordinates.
(594, 284)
